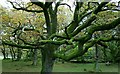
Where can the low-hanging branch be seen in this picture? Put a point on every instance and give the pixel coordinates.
(87, 37)
(41, 42)
(80, 52)
(20, 46)
(27, 43)
(76, 53)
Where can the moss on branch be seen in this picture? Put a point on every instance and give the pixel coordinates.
(38, 45)
(20, 46)
(86, 24)
(42, 42)
(109, 26)
(76, 53)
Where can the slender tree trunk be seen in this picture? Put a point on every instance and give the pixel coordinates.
(47, 61)
(3, 52)
(96, 57)
(35, 57)
(105, 55)
(11, 54)
(31, 54)
(26, 56)
(14, 56)
(96, 60)
(19, 53)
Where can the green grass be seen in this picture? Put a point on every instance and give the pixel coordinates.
(21, 66)
(73, 67)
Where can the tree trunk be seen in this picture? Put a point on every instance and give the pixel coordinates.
(105, 55)
(14, 55)
(35, 57)
(47, 60)
(96, 59)
(19, 53)
(3, 52)
(96, 56)
(12, 52)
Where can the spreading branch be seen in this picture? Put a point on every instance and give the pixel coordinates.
(109, 26)
(20, 46)
(24, 9)
(76, 53)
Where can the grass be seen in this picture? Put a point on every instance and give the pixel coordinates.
(21, 66)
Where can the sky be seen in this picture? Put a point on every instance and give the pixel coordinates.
(5, 3)
(8, 5)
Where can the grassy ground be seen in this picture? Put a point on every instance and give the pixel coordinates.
(21, 66)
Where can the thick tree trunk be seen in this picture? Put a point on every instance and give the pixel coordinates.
(47, 60)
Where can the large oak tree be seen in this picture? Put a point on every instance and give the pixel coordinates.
(84, 17)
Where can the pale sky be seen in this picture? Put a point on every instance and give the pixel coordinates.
(5, 3)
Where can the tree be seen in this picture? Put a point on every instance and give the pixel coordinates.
(82, 22)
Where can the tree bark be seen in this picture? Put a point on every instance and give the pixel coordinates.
(47, 60)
